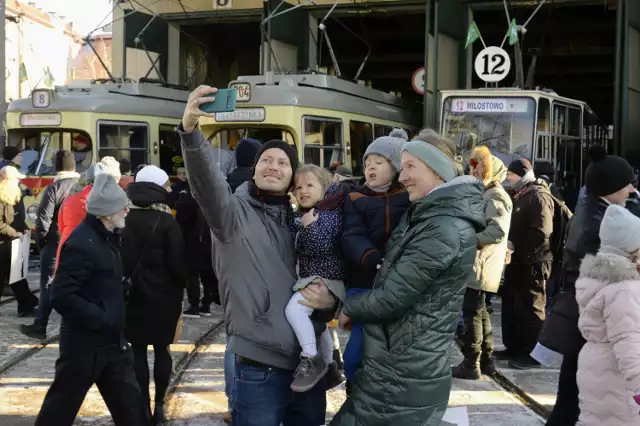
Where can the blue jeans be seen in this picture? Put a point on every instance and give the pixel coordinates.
(47, 266)
(229, 374)
(262, 397)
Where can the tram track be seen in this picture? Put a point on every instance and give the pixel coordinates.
(515, 391)
(184, 363)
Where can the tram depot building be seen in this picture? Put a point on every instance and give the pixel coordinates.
(588, 50)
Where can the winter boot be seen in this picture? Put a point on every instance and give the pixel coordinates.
(35, 331)
(467, 370)
(334, 377)
(487, 366)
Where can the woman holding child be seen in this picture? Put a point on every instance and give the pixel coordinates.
(409, 316)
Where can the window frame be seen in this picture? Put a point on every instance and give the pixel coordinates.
(341, 149)
(98, 145)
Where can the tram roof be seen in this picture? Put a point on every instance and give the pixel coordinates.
(509, 92)
(327, 92)
(111, 98)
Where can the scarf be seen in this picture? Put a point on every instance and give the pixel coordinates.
(380, 189)
(270, 199)
(155, 206)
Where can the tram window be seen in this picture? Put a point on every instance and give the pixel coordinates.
(229, 138)
(170, 150)
(380, 130)
(124, 140)
(574, 122)
(44, 143)
(322, 141)
(361, 135)
(544, 115)
(508, 134)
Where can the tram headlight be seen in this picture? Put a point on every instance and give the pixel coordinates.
(32, 212)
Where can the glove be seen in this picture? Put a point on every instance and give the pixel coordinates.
(636, 398)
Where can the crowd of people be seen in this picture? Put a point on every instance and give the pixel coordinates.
(395, 256)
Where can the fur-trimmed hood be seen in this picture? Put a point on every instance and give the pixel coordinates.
(596, 272)
(493, 169)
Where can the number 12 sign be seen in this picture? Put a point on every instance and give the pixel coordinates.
(492, 64)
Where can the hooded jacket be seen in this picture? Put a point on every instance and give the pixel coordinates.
(254, 259)
(411, 313)
(608, 294)
(492, 242)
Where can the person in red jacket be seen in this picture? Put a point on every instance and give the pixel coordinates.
(73, 210)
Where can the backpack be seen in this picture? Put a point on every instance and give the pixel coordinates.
(561, 217)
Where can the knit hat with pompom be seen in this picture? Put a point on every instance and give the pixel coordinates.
(606, 174)
(389, 147)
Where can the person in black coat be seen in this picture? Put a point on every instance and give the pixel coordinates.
(87, 291)
(245, 153)
(608, 181)
(523, 293)
(154, 258)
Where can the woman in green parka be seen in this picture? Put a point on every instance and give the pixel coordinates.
(410, 315)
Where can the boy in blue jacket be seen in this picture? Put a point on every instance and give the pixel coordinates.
(371, 212)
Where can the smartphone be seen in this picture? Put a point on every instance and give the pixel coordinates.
(225, 102)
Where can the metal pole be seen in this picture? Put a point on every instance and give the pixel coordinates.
(268, 66)
(620, 86)
(436, 51)
(3, 89)
(262, 48)
(427, 30)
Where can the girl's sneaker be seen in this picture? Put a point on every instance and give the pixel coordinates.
(205, 311)
(309, 372)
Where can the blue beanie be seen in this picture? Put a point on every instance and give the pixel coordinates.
(389, 147)
(246, 152)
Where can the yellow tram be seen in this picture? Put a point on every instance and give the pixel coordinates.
(329, 120)
(133, 121)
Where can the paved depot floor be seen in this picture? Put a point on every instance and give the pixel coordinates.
(199, 398)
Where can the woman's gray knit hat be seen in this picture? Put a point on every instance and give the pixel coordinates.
(389, 147)
(106, 197)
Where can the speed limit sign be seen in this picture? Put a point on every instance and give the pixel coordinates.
(492, 64)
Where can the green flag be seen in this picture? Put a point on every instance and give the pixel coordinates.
(23, 73)
(48, 80)
(472, 35)
(513, 32)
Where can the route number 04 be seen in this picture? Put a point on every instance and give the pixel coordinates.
(492, 64)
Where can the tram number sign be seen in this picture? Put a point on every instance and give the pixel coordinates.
(492, 64)
(243, 91)
(222, 4)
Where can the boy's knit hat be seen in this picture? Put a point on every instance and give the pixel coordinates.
(389, 147)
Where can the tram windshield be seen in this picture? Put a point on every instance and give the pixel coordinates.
(38, 148)
(505, 125)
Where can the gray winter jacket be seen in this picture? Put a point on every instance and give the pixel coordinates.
(492, 242)
(254, 259)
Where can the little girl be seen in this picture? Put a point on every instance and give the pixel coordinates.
(317, 229)
(608, 295)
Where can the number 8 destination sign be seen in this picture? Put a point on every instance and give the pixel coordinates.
(492, 64)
